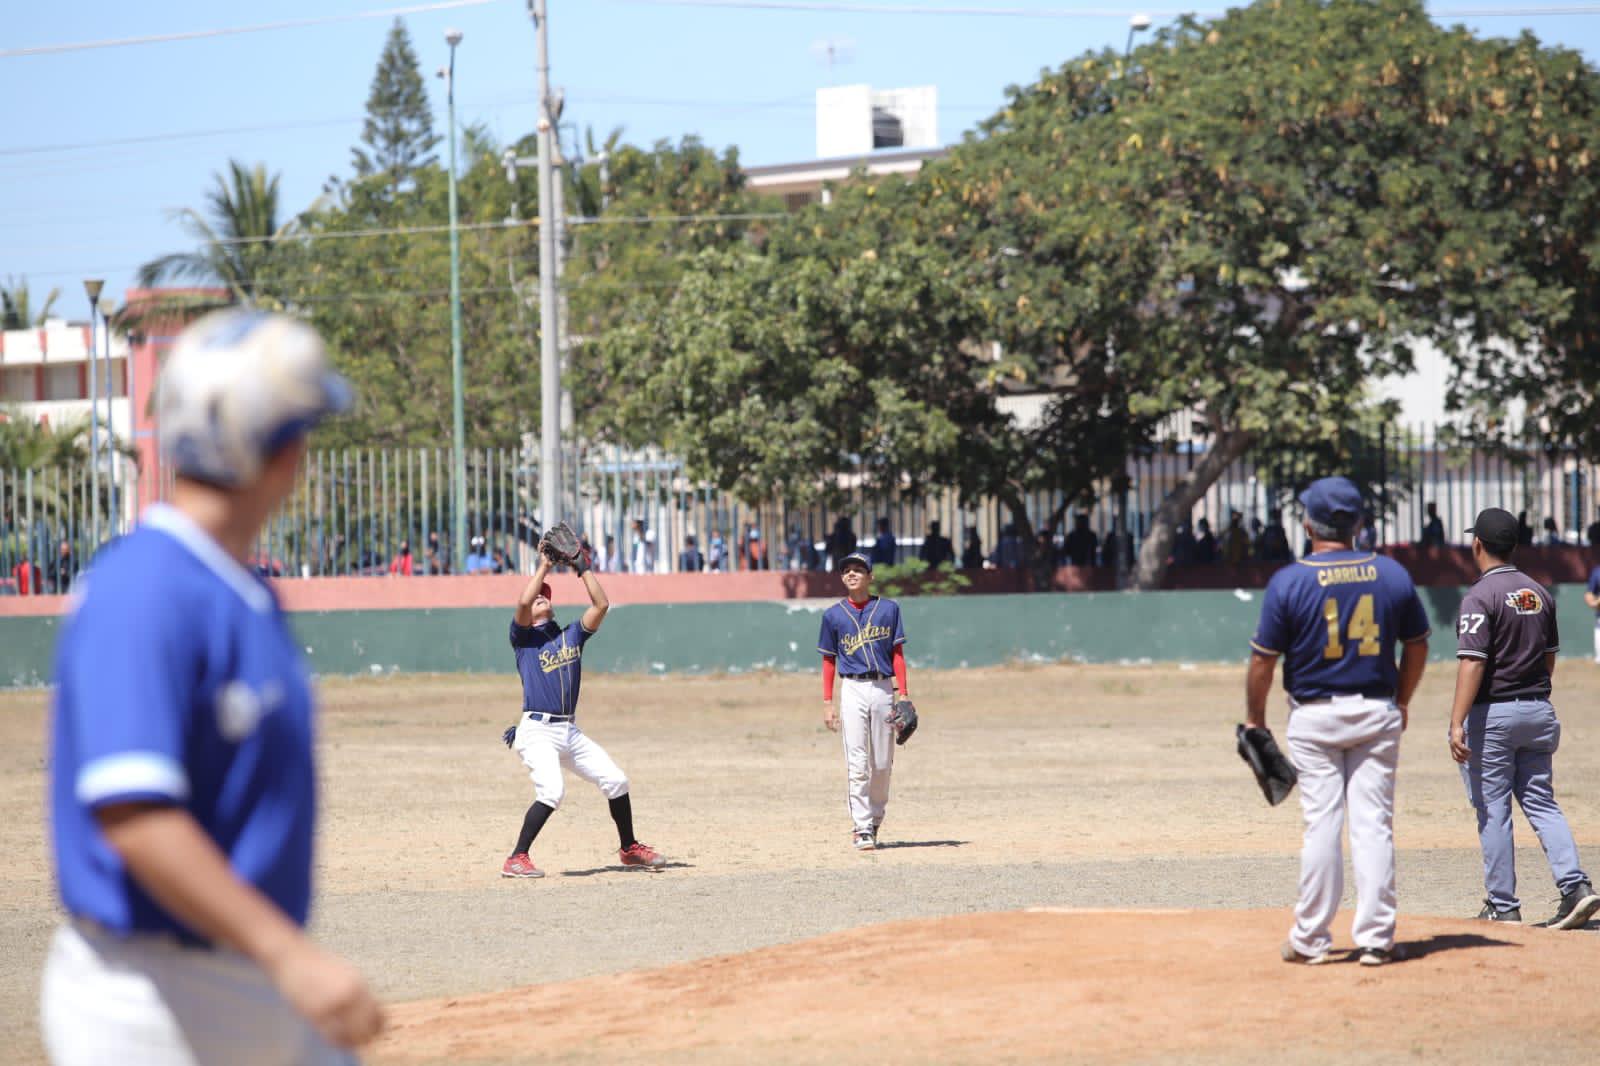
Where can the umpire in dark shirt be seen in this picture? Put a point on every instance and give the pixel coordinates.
(1503, 728)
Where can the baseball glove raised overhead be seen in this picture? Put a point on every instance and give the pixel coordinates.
(904, 720)
(1274, 773)
(563, 547)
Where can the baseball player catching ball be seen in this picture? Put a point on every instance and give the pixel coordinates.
(182, 779)
(546, 736)
(1334, 618)
(863, 643)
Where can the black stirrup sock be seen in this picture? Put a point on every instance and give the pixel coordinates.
(532, 822)
(622, 814)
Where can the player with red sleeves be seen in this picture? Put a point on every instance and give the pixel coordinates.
(863, 643)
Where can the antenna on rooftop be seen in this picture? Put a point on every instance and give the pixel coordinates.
(833, 51)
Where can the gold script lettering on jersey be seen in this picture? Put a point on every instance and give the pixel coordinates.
(555, 660)
(868, 635)
(1347, 575)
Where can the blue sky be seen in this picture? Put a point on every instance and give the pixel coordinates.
(73, 205)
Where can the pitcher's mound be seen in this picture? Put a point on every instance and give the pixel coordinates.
(1114, 986)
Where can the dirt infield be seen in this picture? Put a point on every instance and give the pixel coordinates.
(1048, 786)
(1110, 986)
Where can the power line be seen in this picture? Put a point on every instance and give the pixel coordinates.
(195, 35)
(443, 229)
(854, 7)
(573, 96)
(154, 138)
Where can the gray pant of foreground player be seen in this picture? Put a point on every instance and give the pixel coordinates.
(1513, 745)
(1345, 750)
(864, 709)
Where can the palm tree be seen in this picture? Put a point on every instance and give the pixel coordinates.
(239, 236)
(29, 445)
(16, 305)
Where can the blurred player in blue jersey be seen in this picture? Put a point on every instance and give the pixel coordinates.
(182, 787)
(1334, 618)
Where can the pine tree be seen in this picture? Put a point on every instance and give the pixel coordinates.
(398, 137)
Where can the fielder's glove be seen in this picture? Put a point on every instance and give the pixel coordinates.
(563, 547)
(1273, 771)
(904, 720)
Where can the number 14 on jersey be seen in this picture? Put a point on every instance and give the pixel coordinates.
(1362, 628)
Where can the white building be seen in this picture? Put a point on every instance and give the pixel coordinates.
(44, 376)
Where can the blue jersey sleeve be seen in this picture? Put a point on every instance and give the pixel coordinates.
(523, 636)
(1414, 625)
(1272, 632)
(899, 637)
(1594, 581)
(578, 635)
(128, 696)
(828, 638)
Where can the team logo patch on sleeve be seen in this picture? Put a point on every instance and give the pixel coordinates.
(1525, 601)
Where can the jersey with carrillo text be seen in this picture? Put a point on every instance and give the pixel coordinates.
(862, 639)
(1335, 618)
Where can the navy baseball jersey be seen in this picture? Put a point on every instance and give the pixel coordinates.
(1334, 617)
(862, 639)
(179, 683)
(1594, 589)
(550, 660)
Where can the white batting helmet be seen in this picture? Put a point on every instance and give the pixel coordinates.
(239, 385)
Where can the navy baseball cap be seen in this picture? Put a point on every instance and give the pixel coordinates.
(1332, 501)
(1497, 528)
(855, 557)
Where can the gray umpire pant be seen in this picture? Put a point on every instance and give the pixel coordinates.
(1513, 745)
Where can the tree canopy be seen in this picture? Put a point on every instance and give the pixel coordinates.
(238, 236)
(397, 139)
(17, 310)
(1246, 223)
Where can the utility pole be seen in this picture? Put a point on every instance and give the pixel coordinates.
(549, 355)
(559, 186)
(458, 457)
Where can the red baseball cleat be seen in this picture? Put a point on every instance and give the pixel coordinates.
(520, 865)
(641, 854)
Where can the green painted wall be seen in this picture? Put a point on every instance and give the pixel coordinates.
(733, 637)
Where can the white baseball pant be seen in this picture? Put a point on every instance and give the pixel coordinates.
(546, 747)
(864, 710)
(148, 1001)
(1345, 751)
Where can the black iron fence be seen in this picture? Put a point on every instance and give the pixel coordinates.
(372, 512)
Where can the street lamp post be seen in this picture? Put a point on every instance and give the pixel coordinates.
(1137, 24)
(91, 288)
(108, 307)
(458, 417)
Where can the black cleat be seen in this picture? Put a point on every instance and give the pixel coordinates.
(1489, 914)
(1578, 905)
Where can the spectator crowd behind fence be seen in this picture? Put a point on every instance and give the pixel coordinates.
(389, 513)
